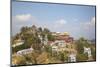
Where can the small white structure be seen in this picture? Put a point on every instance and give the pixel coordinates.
(25, 51)
(72, 58)
(54, 48)
(88, 51)
(60, 43)
(18, 42)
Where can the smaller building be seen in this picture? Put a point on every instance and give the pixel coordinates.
(60, 43)
(18, 42)
(88, 51)
(72, 58)
(58, 46)
(25, 51)
(63, 36)
(55, 48)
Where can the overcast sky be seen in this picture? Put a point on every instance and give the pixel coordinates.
(78, 21)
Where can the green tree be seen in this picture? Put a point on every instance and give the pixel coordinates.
(80, 46)
(93, 51)
(62, 56)
(46, 31)
(40, 30)
(24, 29)
(51, 37)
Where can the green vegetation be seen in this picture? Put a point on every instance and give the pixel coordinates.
(81, 43)
(62, 56)
(42, 53)
(17, 48)
(30, 36)
(93, 50)
(82, 57)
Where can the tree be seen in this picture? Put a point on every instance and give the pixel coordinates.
(40, 30)
(51, 37)
(33, 26)
(62, 56)
(48, 49)
(20, 47)
(80, 47)
(81, 43)
(82, 39)
(17, 36)
(37, 43)
(24, 29)
(34, 41)
(46, 31)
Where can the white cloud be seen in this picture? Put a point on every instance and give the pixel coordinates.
(21, 20)
(60, 23)
(23, 17)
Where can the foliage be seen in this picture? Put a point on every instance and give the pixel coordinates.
(48, 48)
(45, 56)
(62, 56)
(46, 31)
(51, 37)
(93, 51)
(82, 57)
(81, 43)
(20, 47)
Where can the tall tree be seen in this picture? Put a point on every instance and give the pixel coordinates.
(46, 31)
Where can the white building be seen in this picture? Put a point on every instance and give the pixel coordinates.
(58, 45)
(25, 51)
(72, 58)
(55, 48)
(88, 51)
(18, 42)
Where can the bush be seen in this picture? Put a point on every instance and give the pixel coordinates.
(21, 47)
(82, 57)
(93, 53)
(62, 56)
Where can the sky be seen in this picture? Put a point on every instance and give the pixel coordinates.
(77, 20)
